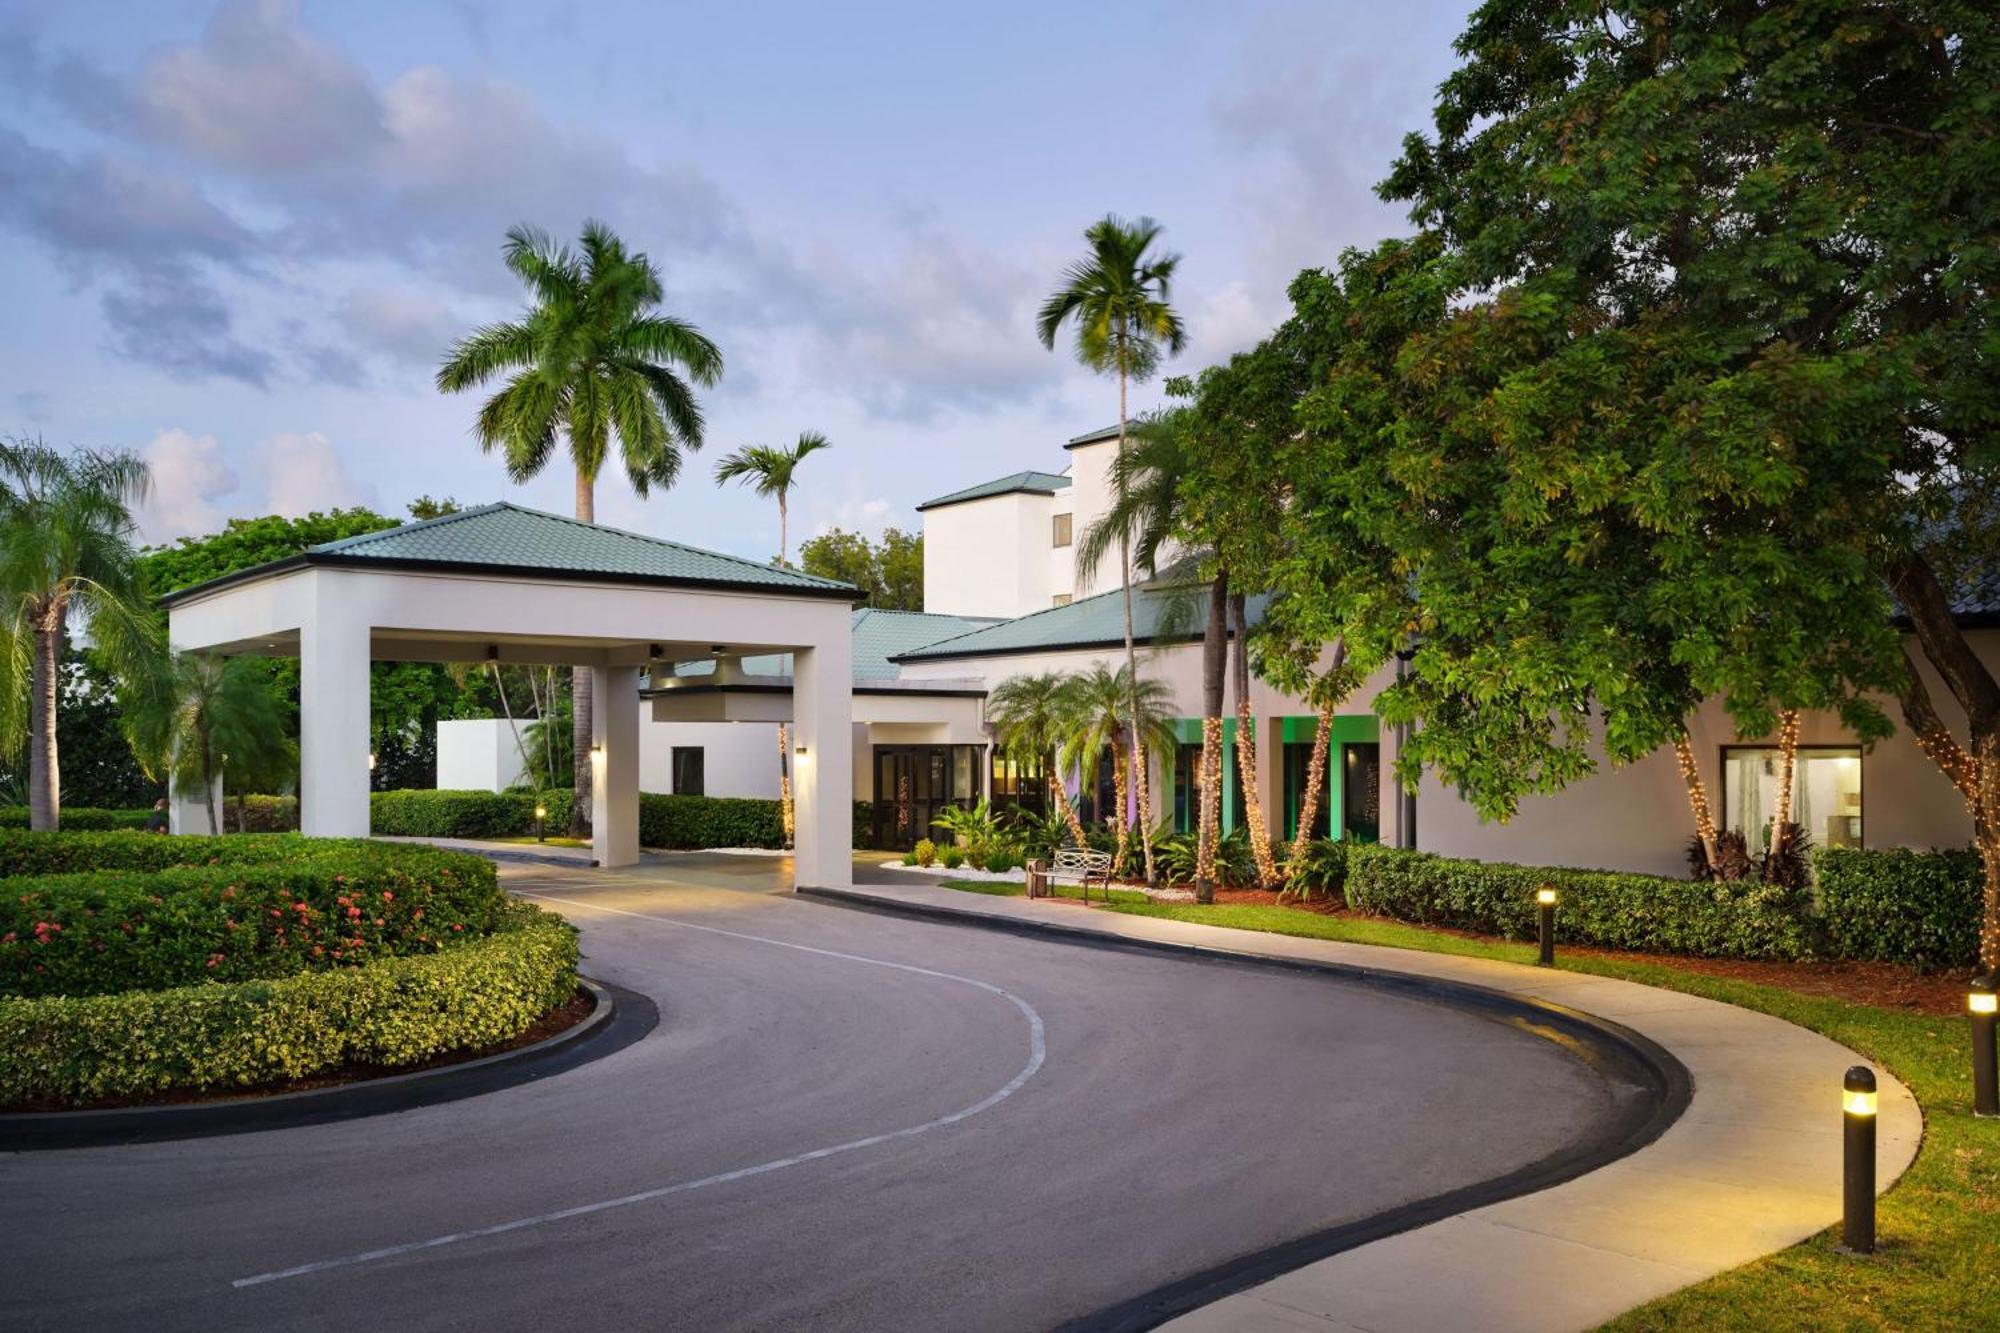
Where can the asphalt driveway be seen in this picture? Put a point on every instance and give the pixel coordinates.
(844, 1120)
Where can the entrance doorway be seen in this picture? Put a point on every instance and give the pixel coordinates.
(913, 785)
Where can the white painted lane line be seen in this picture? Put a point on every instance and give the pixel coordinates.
(1037, 1053)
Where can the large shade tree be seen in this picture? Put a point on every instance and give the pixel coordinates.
(1117, 303)
(67, 561)
(592, 360)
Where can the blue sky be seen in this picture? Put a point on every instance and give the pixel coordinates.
(239, 236)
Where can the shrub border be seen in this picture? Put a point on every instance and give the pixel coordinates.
(619, 1018)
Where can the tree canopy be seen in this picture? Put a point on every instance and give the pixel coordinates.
(890, 573)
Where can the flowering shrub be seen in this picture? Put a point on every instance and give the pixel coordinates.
(248, 907)
(395, 1011)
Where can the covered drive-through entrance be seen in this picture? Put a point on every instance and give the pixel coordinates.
(519, 586)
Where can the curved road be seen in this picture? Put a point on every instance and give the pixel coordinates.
(1026, 1132)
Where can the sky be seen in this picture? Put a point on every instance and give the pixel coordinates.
(239, 237)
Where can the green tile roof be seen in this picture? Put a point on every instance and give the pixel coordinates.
(1092, 437)
(506, 538)
(1032, 483)
(1094, 622)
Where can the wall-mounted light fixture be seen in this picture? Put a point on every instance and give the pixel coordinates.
(799, 750)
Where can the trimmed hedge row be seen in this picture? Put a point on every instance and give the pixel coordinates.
(679, 823)
(107, 930)
(79, 818)
(1617, 910)
(1901, 906)
(399, 1011)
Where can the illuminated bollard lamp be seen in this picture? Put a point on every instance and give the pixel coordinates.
(541, 814)
(1545, 900)
(1982, 1002)
(1857, 1212)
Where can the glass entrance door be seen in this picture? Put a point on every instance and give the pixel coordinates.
(913, 785)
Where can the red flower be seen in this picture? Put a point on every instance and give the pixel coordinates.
(353, 912)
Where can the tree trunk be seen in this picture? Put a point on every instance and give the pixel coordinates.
(1062, 804)
(1315, 787)
(208, 778)
(1788, 759)
(1975, 767)
(1120, 785)
(1246, 751)
(787, 818)
(784, 531)
(1704, 819)
(1136, 740)
(1214, 665)
(579, 694)
(44, 770)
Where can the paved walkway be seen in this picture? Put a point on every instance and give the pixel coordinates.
(1751, 1167)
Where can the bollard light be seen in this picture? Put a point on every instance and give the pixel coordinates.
(1857, 1212)
(1982, 1002)
(1545, 898)
(541, 813)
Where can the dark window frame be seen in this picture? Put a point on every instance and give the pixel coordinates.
(1853, 749)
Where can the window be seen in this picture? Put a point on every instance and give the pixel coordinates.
(1297, 762)
(1826, 793)
(1187, 786)
(1062, 599)
(689, 770)
(1062, 526)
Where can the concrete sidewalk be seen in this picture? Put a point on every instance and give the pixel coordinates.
(1751, 1167)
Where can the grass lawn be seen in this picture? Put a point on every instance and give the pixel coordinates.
(1939, 1228)
(1000, 888)
(551, 841)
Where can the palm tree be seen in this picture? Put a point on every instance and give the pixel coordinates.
(1117, 301)
(590, 358)
(66, 551)
(1100, 706)
(770, 471)
(201, 718)
(1030, 718)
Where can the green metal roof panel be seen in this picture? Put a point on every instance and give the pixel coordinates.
(1092, 437)
(1094, 622)
(879, 636)
(1032, 483)
(509, 537)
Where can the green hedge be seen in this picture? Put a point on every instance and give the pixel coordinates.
(680, 823)
(79, 819)
(1901, 906)
(276, 906)
(1602, 907)
(399, 1011)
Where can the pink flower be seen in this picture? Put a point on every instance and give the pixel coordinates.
(353, 912)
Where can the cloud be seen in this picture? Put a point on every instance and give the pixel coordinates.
(303, 473)
(190, 478)
(404, 326)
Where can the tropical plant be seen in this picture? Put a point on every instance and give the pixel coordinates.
(66, 555)
(973, 828)
(770, 472)
(201, 721)
(1099, 705)
(1030, 715)
(591, 358)
(1117, 303)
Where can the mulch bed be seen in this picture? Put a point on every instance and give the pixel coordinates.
(559, 1019)
(1886, 985)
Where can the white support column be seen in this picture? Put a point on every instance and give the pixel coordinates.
(823, 764)
(188, 813)
(614, 765)
(333, 724)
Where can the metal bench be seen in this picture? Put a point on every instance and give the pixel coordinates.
(1081, 867)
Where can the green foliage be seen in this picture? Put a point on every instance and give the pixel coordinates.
(98, 769)
(678, 823)
(890, 574)
(1741, 919)
(245, 543)
(925, 852)
(770, 472)
(591, 356)
(1321, 870)
(1116, 301)
(951, 858)
(80, 818)
(1901, 906)
(277, 906)
(396, 1011)
(201, 719)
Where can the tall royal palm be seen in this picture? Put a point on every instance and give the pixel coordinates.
(770, 472)
(1116, 301)
(591, 358)
(66, 553)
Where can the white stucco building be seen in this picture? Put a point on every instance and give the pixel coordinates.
(1003, 596)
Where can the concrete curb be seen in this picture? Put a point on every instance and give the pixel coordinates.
(620, 1018)
(1752, 1165)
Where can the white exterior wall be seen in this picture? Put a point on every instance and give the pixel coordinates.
(738, 758)
(989, 557)
(477, 754)
(1090, 500)
(1062, 559)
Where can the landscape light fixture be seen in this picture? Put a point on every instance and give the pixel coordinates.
(1982, 1002)
(1857, 1211)
(541, 813)
(1545, 900)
